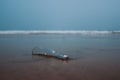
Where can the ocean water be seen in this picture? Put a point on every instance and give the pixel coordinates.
(95, 55)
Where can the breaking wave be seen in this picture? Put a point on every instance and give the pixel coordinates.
(60, 32)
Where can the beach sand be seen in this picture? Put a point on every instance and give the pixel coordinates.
(94, 57)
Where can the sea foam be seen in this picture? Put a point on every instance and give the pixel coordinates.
(58, 32)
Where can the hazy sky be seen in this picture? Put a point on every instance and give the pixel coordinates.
(59, 14)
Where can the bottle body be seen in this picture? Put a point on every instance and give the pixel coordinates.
(48, 52)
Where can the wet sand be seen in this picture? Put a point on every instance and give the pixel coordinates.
(94, 57)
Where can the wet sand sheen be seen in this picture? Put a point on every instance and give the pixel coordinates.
(84, 68)
(90, 63)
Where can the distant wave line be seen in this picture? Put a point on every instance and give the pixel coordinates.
(59, 32)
